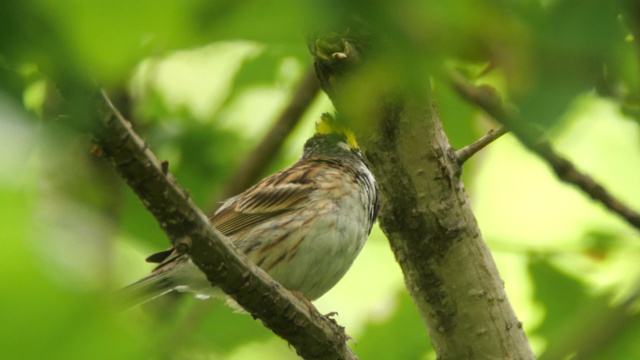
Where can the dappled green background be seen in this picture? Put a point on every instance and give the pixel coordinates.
(205, 81)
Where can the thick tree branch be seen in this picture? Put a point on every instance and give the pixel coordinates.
(426, 215)
(534, 140)
(313, 335)
(468, 151)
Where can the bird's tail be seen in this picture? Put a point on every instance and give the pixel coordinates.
(145, 289)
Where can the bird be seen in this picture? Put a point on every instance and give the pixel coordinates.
(304, 225)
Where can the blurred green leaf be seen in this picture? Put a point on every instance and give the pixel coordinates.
(573, 40)
(225, 330)
(400, 336)
(621, 343)
(578, 322)
(457, 116)
(552, 285)
(44, 316)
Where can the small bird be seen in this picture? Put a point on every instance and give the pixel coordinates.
(304, 225)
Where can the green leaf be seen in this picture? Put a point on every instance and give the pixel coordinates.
(400, 336)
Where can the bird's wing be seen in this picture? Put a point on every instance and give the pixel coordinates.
(282, 192)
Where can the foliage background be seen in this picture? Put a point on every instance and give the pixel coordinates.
(207, 79)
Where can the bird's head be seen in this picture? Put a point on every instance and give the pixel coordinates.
(331, 139)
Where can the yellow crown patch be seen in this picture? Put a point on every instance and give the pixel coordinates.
(329, 125)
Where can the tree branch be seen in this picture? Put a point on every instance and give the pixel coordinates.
(468, 151)
(534, 140)
(256, 163)
(426, 215)
(313, 335)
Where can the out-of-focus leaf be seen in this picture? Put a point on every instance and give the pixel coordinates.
(401, 336)
(621, 342)
(45, 314)
(457, 116)
(224, 330)
(264, 69)
(561, 295)
(573, 41)
(138, 223)
(107, 38)
(577, 322)
(276, 22)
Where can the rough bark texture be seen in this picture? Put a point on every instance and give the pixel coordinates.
(426, 215)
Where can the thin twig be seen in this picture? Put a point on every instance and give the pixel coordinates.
(256, 163)
(468, 151)
(534, 139)
(313, 335)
